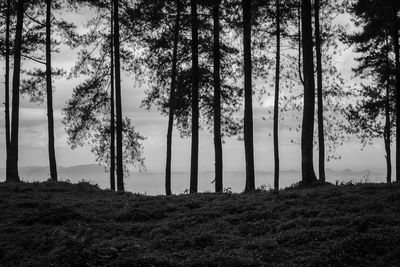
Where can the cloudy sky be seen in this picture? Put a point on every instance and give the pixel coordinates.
(33, 136)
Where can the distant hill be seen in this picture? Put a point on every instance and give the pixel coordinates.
(74, 173)
(152, 183)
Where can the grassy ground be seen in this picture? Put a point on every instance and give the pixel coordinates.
(61, 224)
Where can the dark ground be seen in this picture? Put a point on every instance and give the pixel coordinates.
(61, 224)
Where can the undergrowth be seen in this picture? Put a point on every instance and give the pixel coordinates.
(63, 224)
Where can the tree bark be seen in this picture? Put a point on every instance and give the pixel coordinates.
(248, 94)
(217, 99)
(397, 94)
(195, 100)
(7, 92)
(112, 105)
(308, 175)
(172, 101)
(276, 102)
(321, 141)
(15, 92)
(119, 159)
(49, 91)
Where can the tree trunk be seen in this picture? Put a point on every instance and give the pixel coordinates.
(7, 92)
(387, 131)
(15, 92)
(397, 94)
(308, 175)
(195, 100)
(119, 159)
(112, 105)
(172, 101)
(217, 99)
(276, 102)
(321, 141)
(49, 91)
(387, 135)
(248, 94)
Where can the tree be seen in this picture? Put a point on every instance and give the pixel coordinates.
(49, 93)
(320, 110)
(7, 90)
(373, 116)
(308, 175)
(217, 99)
(119, 159)
(172, 100)
(395, 36)
(195, 100)
(88, 116)
(248, 94)
(112, 103)
(15, 92)
(276, 101)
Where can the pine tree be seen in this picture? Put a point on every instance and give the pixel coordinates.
(217, 98)
(308, 175)
(195, 101)
(15, 92)
(248, 94)
(172, 100)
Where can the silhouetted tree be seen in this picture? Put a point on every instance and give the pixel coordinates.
(248, 95)
(395, 36)
(119, 159)
(320, 110)
(308, 175)
(7, 90)
(112, 102)
(88, 114)
(172, 98)
(49, 93)
(373, 116)
(15, 92)
(194, 165)
(217, 98)
(276, 101)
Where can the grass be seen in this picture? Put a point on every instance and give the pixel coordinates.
(62, 224)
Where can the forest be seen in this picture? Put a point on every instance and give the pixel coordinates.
(201, 61)
(204, 65)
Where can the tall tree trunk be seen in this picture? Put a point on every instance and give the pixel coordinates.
(387, 135)
(172, 101)
(387, 131)
(7, 92)
(112, 105)
(217, 99)
(276, 102)
(195, 100)
(15, 92)
(120, 170)
(248, 94)
(49, 91)
(321, 141)
(397, 94)
(308, 175)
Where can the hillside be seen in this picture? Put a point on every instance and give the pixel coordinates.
(64, 224)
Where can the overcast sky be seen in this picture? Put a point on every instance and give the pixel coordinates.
(33, 136)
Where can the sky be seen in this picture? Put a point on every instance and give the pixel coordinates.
(152, 125)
